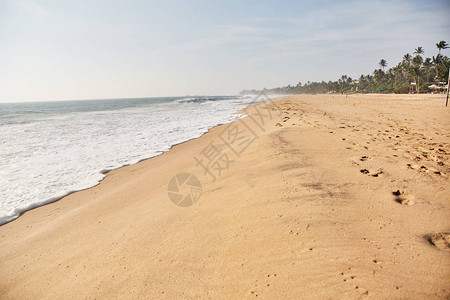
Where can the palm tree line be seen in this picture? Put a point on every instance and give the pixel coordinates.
(414, 70)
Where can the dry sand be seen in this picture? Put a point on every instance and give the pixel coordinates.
(335, 197)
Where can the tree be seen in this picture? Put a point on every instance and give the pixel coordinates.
(427, 66)
(416, 72)
(417, 60)
(378, 75)
(413, 68)
(407, 57)
(383, 63)
(442, 66)
(419, 51)
(436, 65)
(441, 45)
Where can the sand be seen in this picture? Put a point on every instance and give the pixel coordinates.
(332, 197)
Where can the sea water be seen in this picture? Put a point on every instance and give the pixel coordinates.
(50, 149)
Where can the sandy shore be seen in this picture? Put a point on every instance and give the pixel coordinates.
(316, 197)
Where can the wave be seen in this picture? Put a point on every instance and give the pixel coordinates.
(71, 152)
(210, 99)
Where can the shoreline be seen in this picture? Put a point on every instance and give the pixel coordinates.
(294, 209)
(103, 172)
(22, 211)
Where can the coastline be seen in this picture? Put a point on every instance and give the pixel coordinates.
(294, 209)
(99, 174)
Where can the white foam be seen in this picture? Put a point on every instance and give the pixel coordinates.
(50, 157)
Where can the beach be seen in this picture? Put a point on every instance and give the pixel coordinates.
(311, 196)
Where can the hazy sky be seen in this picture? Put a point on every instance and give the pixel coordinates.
(55, 50)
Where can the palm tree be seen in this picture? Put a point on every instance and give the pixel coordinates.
(378, 75)
(442, 45)
(417, 60)
(427, 66)
(383, 63)
(436, 61)
(407, 57)
(362, 81)
(419, 51)
(416, 72)
(397, 70)
(415, 69)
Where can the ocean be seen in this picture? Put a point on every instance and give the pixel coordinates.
(50, 149)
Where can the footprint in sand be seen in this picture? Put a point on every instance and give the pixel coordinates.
(424, 169)
(373, 174)
(414, 167)
(403, 198)
(376, 174)
(364, 171)
(440, 173)
(440, 240)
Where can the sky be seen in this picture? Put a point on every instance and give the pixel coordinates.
(99, 49)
